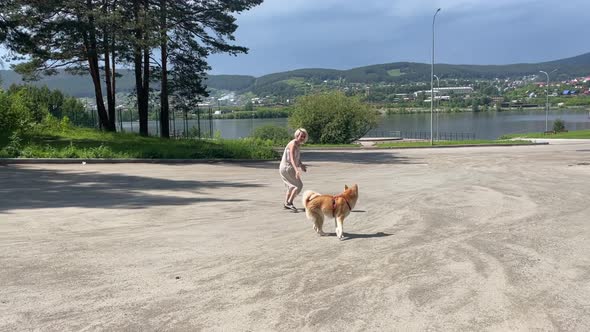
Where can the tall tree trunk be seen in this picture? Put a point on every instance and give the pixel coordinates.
(92, 54)
(107, 70)
(143, 113)
(100, 107)
(142, 103)
(113, 74)
(164, 105)
(141, 100)
(113, 77)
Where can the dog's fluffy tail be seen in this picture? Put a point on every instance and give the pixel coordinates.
(308, 195)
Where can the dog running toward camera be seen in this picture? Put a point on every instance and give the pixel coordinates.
(317, 206)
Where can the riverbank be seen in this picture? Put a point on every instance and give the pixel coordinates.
(413, 110)
(575, 134)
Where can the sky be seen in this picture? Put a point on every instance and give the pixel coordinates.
(286, 35)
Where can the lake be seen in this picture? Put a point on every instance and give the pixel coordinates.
(484, 125)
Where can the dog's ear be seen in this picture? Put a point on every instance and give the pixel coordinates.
(345, 187)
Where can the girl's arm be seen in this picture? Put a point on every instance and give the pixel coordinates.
(295, 163)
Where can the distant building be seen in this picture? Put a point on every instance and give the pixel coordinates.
(459, 90)
(222, 112)
(497, 100)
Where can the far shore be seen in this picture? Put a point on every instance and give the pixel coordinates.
(415, 110)
(585, 108)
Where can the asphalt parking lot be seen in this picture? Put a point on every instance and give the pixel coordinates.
(454, 239)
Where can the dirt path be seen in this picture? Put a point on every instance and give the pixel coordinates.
(454, 239)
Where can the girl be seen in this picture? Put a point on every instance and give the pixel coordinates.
(291, 167)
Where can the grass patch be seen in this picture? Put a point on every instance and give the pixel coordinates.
(394, 72)
(89, 143)
(449, 143)
(585, 134)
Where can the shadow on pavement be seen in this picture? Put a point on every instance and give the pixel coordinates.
(344, 156)
(272, 164)
(25, 188)
(350, 236)
(357, 157)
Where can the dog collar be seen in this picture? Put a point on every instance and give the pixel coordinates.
(344, 198)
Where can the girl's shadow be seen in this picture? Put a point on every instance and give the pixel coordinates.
(350, 236)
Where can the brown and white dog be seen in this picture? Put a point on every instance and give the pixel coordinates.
(317, 206)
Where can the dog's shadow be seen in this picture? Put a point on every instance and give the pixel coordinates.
(303, 210)
(350, 236)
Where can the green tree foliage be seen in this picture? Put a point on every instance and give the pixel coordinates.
(24, 107)
(15, 114)
(333, 118)
(78, 35)
(230, 82)
(92, 36)
(249, 107)
(558, 125)
(189, 32)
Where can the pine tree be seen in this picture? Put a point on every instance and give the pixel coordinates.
(189, 32)
(69, 34)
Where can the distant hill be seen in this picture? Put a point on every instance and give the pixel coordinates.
(230, 82)
(406, 72)
(295, 82)
(291, 83)
(81, 85)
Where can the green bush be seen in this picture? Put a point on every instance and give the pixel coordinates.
(333, 118)
(15, 114)
(25, 108)
(558, 125)
(276, 134)
(14, 147)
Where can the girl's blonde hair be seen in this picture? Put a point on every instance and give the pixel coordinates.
(301, 130)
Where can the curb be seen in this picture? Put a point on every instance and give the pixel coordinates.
(461, 146)
(422, 147)
(8, 161)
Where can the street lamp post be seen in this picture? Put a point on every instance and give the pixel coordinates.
(546, 102)
(432, 77)
(437, 103)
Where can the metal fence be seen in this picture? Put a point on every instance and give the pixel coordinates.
(383, 133)
(440, 136)
(199, 124)
(421, 135)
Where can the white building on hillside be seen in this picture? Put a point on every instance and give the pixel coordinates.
(459, 90)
